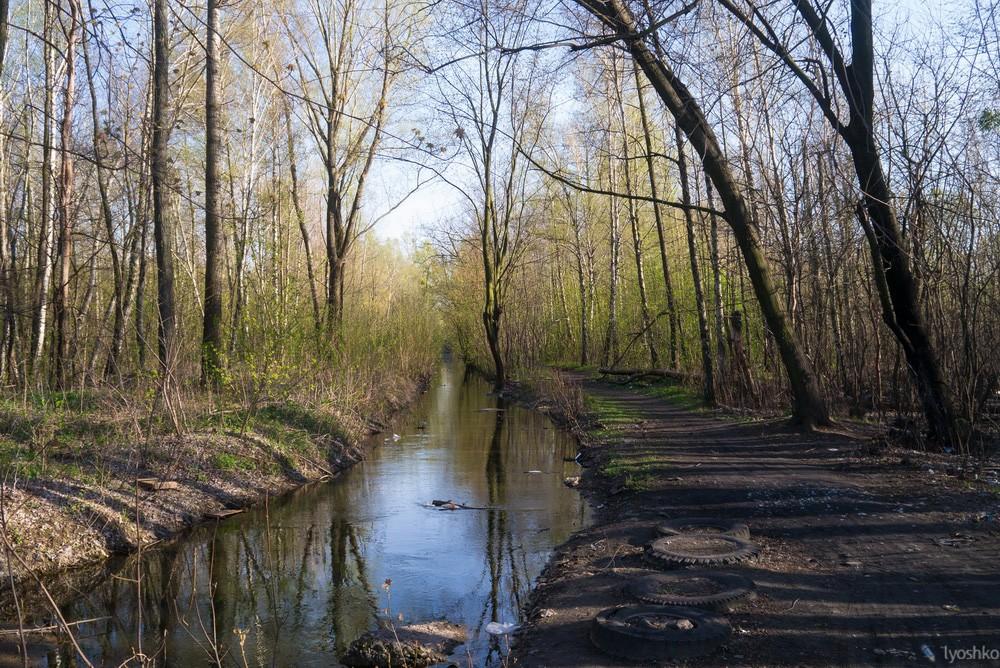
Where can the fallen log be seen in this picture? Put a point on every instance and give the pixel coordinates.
(451, 505)
(640, 373)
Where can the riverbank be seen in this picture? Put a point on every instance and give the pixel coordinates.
(70, 497)
(295, 582)
(867, 553)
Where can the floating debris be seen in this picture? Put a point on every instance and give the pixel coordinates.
(500, 629)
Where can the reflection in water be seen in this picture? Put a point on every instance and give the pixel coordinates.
(293, 583)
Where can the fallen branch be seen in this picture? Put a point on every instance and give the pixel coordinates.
(451, 505)
(640, 373)
(54, 627)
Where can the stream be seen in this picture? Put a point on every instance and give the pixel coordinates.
(293, 584)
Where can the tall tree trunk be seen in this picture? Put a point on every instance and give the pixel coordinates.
(611, 335)
(141, 342)
(633, 217)
(6, 268)
(579, 253)
(300, 217)
(899, 296)
(672, 317)
(43, 265)
(61, 305)
(162, 227)
(720, 327)
(334, 264)
(809, 408)
(118, 277)
(581, 279)
(211, 332)
(493, 303)
(4, 23)
(560, 289)
(708, 390)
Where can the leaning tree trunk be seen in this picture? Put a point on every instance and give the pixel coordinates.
(899, 298)
(808, 408)
(894, 280)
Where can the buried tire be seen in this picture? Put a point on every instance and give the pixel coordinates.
(699, 549)
(691, 587)
(658, 633)
(684, 525)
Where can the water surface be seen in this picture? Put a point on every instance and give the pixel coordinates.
(295, 583)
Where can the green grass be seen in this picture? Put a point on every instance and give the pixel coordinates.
(677, 395)
(229, 462)
(20, 460)
(638, 473)
(288, 426)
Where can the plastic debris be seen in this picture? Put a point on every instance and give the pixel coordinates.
(500, 628)
(928, 653)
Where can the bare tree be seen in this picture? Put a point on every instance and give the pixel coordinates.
(348, 137)
(211, 337)
(809, 407)
(159, 175)
(892, 272)
(61, 302)
(497, 106)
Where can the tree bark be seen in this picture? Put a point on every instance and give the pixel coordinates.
(211, 336)
(43, 265)
(581, 279)
(6, 268)
(162, 227)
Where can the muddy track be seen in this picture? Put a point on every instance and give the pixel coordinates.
(863, 562)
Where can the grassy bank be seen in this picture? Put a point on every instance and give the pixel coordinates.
(69, 461)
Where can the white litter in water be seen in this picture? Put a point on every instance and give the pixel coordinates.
(534, 471)
(499, 628)
(396, 437)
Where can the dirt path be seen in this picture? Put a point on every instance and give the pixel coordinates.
(863, 560)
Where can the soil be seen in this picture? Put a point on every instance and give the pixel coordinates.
(868, 556)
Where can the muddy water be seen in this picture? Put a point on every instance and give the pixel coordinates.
(295, 584)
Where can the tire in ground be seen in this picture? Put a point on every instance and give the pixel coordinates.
(658, 632)
(699, 549)
(681, 525)
(702, 588)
